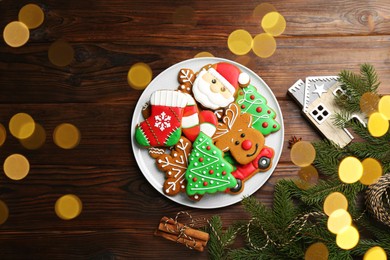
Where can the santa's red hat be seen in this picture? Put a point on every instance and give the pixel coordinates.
(230, 76)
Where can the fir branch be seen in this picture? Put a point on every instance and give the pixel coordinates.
(215, 245)
(369, 77)
(283, 206)
(327, 157)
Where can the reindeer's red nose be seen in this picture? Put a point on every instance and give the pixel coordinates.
(246, 145)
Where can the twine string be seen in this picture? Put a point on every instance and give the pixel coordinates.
(180, 229)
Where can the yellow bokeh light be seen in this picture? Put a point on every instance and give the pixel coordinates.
(240, 42)
(68, 207)
(61, 53)
(369, 103)
(384, 106)
(378, 125)
(308, 174)
(184, 15)
(16, 167)
(36, 140)
(66, 136)
(3, 212)
(246, 60)
(375, 253)
(16, 34)
(338, 220)
(263, 9)
(350, 170)
(335, 201)
(302, 153)
(139, 75)
(3, 134)
(317, 251)
(372, 170)
(21, 125)
(264, 45)
(203, 54)
(273, 23)
(348, 238)
(31, 15)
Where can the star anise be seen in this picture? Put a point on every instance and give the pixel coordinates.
(293, 140)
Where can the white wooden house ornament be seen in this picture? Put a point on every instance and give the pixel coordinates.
(316, 96)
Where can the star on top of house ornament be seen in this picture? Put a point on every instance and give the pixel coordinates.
(319, 89)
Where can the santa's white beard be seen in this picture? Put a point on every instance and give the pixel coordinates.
(206, 97)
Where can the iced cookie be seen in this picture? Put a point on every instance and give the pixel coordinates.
(252, 102)
(163, 126)
(216, 85)
(175, 165)
(208, 171)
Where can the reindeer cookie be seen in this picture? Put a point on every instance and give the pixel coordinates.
(246, 144)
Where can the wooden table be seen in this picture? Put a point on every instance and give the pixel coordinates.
(121, 209)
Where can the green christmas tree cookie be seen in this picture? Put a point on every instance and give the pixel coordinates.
(251, 101)
(208, 171)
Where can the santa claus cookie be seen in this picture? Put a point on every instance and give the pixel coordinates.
(216, 85)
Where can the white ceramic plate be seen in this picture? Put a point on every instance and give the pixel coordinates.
(168, 80)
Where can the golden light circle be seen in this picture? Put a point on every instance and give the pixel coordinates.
(375, 253)
(350, 170)
(36, 140)
(309, 174)
(302, 153)
(384, 106)
(184, 15)
(3, 134)
(68, 207)
(347, 238)
(273, 23)
(4, 213)
(264, 45)
(369, 103)
(263, 9)
(335, 201)
(317, 251)
(240, 42)
(203, 54)
(31, 15)
(377, 125)
(372, 170)
(66, 136)
(16, 167)
(338, 220)
(246, 60)
(61, 53)
(16, 34)
(21, 125)
(139, 75)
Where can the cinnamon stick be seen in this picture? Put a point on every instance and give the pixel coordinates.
(190, 243)
(170, 225)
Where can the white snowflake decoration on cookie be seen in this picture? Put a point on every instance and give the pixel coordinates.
(162, 121)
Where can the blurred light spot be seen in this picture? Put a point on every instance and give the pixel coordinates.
(66, 136)
(240, 42)
(61, 53)
(203, 54)
(273, 23)
(36, 140)
(302, 153)
(3, 212)
(264, 45)
(309, 174)
(378, 124)
(375, 253)
(16, 34)
(384, 106)
(246, 60)
(139, 75)
(372, 170)
(350, 170)
(263, 9)
(317, 251)
(31, 15)
(21, 125)
(3, 134)
(347, 238)
(68, 207)
(16, 166)
(338, 220)
(335, 201)
(369, 103)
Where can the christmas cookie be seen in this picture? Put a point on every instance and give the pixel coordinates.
(163, 126)
(251, 101)
(216, 85)
(175, 165)
(208, 171)
(235, 134)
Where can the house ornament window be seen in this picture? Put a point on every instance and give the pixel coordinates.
(320, 113)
